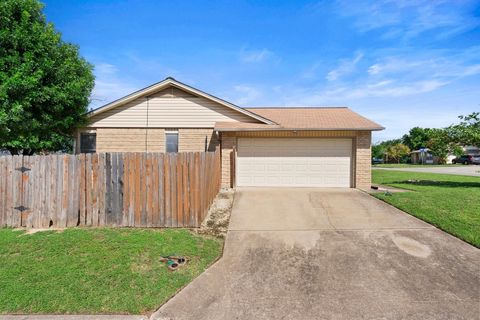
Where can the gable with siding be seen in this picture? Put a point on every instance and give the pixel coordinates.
(168, 108)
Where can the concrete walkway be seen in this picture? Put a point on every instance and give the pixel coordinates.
(72, 317)
(470, 170)
(331, 254)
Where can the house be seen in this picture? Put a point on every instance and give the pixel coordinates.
(423, 156)
(304, 147)
(471, 150)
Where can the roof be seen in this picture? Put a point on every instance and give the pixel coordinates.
(304, 118)
(270, 118)
(421, 150)
(167, 82)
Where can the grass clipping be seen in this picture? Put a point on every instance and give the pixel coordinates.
(218, 217)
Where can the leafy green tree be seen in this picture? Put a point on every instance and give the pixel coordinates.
(397, 151)
(467, 132)
(379, 149)
(439, 144)
(45, 84)
(417, 138)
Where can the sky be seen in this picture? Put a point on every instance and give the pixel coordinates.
(400, 63)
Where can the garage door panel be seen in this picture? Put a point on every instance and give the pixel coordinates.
(294, 162)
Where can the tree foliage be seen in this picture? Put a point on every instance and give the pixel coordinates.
(44, 83)
(417, 137)
(439, 144)
(467, 132)
(379, 149)
(397, 151)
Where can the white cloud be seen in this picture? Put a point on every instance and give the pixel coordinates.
(105, 68)
(407, 19)
(339, 94)
(311, 71)
(345, 67)
(109, 85)
(245, 94)
(255, 56)
(440, 65)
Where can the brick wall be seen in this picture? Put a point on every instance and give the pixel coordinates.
(227, 145)
(151, 139)
(193, 140)
(363, 160)
(130, 140)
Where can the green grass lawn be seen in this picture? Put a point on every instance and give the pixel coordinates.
(97, 270)
(450, 202)
(406, 165)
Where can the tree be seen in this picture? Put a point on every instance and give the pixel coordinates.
(379, 149)
(417, 138)
(467, 132)
(44, 83)
(439, 144)
(397, 151)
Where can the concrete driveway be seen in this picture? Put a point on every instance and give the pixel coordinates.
(331, 254)
(466, 170)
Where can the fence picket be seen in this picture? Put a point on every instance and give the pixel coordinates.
(161, 189)
(108, 189)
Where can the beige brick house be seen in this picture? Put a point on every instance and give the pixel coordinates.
(301, 146)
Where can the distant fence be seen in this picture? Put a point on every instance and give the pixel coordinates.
(108, 189)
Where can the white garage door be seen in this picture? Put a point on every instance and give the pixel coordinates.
(299, 162)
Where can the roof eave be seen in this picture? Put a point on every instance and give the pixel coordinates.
(298, 129)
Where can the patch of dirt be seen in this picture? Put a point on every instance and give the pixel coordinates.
(35, 230)
(218, 217)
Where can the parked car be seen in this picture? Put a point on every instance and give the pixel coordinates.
(377, 161)
(467, 159)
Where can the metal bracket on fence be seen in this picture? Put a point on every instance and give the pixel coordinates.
(23, 169)
(21, 208)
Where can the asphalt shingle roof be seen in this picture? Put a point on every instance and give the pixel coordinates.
(304, 118)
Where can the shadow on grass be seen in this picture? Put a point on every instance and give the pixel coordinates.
(434, 183)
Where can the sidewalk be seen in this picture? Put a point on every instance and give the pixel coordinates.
(72, 317)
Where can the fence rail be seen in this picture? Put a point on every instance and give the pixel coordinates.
(108, 189)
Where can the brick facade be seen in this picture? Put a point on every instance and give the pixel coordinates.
(130, 140)
(151, 139)
(192, 140)
(363, 160)
(228, 143)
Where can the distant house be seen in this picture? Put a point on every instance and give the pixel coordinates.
(471, 150)
(423, 156)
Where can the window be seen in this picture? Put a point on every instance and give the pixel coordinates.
(88, 142)
(171, 141)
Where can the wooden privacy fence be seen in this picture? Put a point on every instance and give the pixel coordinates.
(108, 189)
